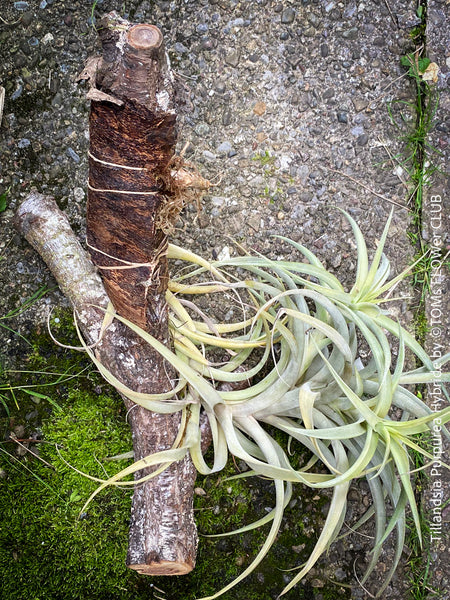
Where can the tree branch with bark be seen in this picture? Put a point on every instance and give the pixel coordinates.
(131, 199)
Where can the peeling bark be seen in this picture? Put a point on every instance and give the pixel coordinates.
(131, 148)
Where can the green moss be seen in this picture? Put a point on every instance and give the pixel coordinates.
(421, 326)
(45, 550)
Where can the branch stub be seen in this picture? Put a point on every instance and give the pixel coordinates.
(144, 37)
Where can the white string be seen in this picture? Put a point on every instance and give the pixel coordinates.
(109, 164)
(123, 191)
(127, 264)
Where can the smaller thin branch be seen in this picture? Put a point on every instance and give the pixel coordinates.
(383, 93)
(394, 160)
(393, 17)
(14, 439)
(366, 187)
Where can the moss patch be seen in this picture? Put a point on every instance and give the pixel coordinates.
(46, 552)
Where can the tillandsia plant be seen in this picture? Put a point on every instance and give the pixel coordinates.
(296, 346)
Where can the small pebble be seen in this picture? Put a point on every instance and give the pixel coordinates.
(26, 19)
(232, 59)
(363, 139)
(224, 148)
(314, 20)
(21, 5)
(48, 37)
(359, 104)
(207, 44)
(350, 34)
(23, 143)
(209, 155)
(357, 131)
(350, 10)
(180, 48)
(342, 117)
(224, 254)
(324, 50)
(201, 129)
(259, 108)
(218, 201)
(73, 155)
(17, 93)
(288, 16)
(78, 194)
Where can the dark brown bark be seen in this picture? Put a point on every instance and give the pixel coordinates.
(131, 148)
(163, 537)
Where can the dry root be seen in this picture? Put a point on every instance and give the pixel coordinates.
(186, 186)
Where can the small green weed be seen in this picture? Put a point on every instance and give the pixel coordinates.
(4, 200)
(267, 161)
(414, 122)
(7, 390)
(15, 312)
(264, 159)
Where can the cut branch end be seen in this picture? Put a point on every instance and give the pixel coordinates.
(163, 568)
(144, 37)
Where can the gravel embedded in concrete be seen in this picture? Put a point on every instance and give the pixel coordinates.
(285, 106)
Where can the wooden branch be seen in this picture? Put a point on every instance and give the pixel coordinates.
(163, 537)
(132, 141)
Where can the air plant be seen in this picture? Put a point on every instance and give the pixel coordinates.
(297, 347)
